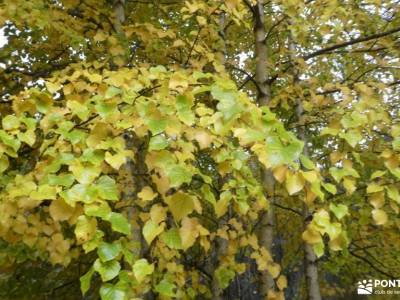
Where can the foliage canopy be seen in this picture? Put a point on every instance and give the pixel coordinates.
(163, 150)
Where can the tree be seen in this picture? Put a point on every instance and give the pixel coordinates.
(199, 149)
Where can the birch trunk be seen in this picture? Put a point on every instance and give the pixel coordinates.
(310, 259)
(266, 231)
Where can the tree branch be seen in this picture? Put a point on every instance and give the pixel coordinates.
(351, 42)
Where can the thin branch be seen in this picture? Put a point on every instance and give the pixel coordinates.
(351, 42)
(193, 45)
(288, 209)
(371, 265)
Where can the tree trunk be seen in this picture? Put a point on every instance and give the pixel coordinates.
(221, 246)
(266, 230)
(310, 259)
(119, 11)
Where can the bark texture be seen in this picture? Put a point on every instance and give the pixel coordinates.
(266, 230)
(310, 259)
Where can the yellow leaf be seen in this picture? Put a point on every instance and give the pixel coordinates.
(158, 213)
(100, 36)
(274, 269)
(222, 204)
(147, 194)
(294, 183)
(180, 205)
(151, 230)
(380, 217)
(280, 173)
(377, 200)
(203, 138)
(60, 211)
(281, 282)
(310, 176)
(52, 87)
(116, 160)
(201, 20)
(188, 232)
(178, 43)
(311, 236)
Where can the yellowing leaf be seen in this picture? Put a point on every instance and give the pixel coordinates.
(180, 204)
(151, 230)
(141, 269)
(116, 160)
(374, 187)
(52, 87)
(85, 229)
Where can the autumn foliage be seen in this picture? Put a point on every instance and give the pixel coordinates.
(198, 149)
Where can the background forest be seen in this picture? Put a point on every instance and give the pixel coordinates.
(199, 149)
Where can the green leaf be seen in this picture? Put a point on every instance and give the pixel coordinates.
(184, 108)
(85, 174)
(107, 251)
(79, 193)
(321, 218)
(119, 223)
(319, 249)
(158, 142)
(107, 188)
(65, 180)
(141, 269)
(377, 174)
(165, 288)
(306, 162)
(106, 109)
(374, 188)
(10, 140)
(107, 270)
(44, 192)
(224, 276)
(4, 163)
(228, 104)
(98, 209)
(393, 193)
(172, 238)
(10, 122)
(339, 210)
(329, 187)
(28, 137)
(112, 292)
(352, 137)
(156, 126)
(208, 194)
(112, 91)
(85, 281)
(178, 175)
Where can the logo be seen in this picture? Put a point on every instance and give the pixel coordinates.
(365, 287)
